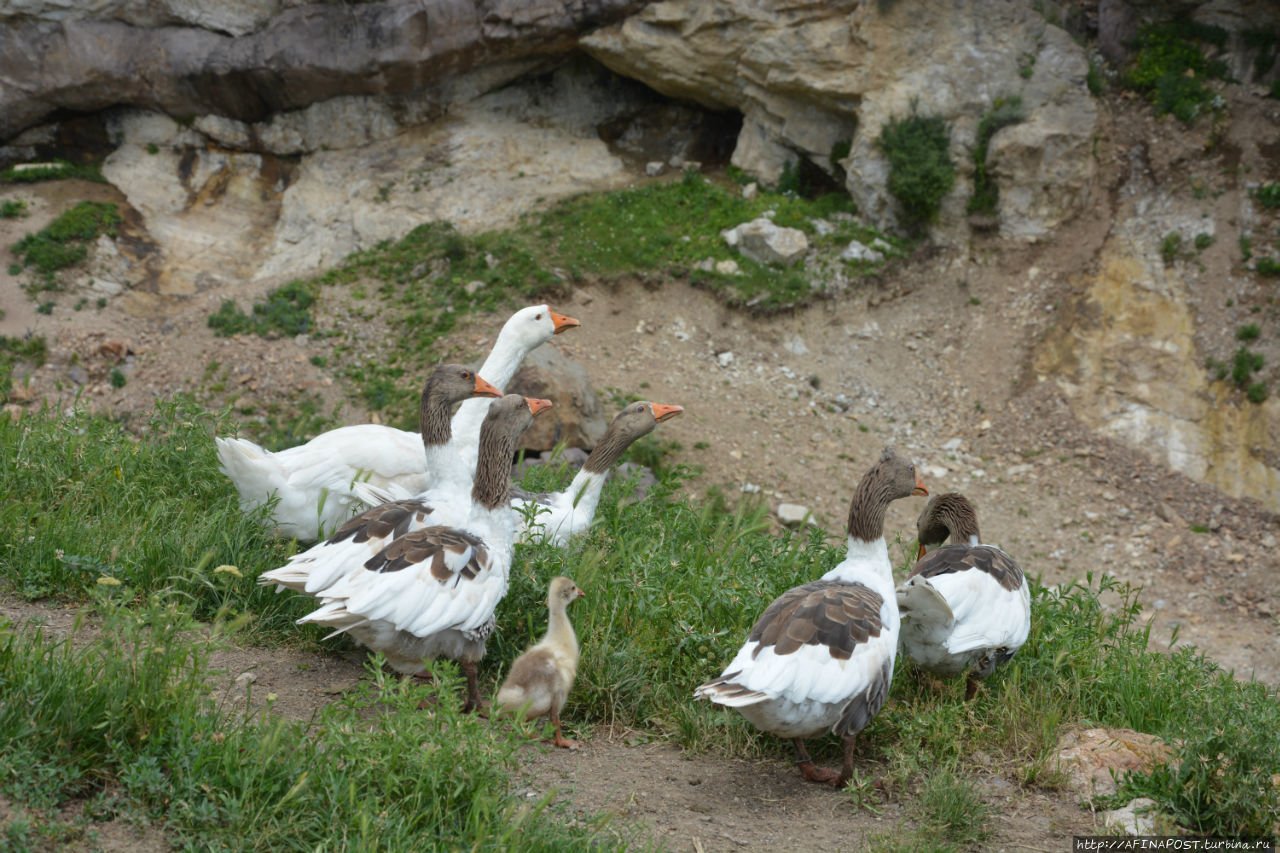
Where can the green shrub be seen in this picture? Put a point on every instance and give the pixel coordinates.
(1169, 66)
(920, 169)
(1248, 333)
(1095, 79)
(1203, 241)
(1267, 195)
(1256, 392)
(1246, 247)
(1244, 365)
(1004, 112)
(1268, 267)
(1170, 245)
(117, 377)
(12, 208)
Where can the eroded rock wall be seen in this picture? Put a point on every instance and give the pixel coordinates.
(810, 76)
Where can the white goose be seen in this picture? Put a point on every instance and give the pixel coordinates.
(820, 657)
(560, 516)
(965, 606)
(319, 483)
(320, 566)
(432, 592)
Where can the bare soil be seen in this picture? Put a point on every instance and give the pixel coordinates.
(931, 357)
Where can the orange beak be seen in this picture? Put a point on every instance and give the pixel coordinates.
(484, 389)
(920, 488)
(536, 405)
(922, 552)
(562, 322)
(662, 412)
(580, 594)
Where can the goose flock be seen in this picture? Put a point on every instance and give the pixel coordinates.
(416, 541)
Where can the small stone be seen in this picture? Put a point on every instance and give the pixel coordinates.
(793, 515)
(1134, 819)
(724, 359)
(729, 267)
(953, 444)
(1235, 558)
(473, 286)
(750, 191)
(985, 425)
(246, 678)
(1018, 470)
(654, 169)
(1268, 541)
(750, 488)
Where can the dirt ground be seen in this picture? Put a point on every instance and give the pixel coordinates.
(932, 358)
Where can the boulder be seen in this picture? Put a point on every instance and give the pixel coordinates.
(576, 416)
(1093, 759)
(766, 243)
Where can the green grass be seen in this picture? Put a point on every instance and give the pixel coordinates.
(1248, 332)
(1268, 266)
(1170, 246)
(58, 170)
(64, 242)
(673, 585)
(12, 208)
(1004, 112)
(32, 350)
(425, 283)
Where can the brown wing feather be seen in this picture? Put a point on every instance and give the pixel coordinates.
(380, 522)
(829, 613)
(962, 558)
(430, 546)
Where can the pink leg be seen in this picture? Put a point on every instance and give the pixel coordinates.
(560, 740)
(811, 771)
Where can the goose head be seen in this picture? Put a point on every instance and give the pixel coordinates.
(563, 592)
(453, 383)
(535, 325)
(636, 420)
(949, 514)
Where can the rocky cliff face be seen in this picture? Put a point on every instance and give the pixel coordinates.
(808, 77)
(251, 59)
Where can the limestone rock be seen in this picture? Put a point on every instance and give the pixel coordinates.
(1093, 759)
(856, 251)
(575, 417)
(808, 78)
(766, 243)
(794, 515)
(1135, 818)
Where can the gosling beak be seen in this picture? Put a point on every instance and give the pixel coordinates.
(920, 488)
(484, 389)
(663, 412)
(580, 594)
(537, 405)
(562, 322)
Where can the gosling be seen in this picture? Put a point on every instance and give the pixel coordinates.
(540, 679)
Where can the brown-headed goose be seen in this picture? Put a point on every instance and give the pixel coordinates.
(432, 592)
(820, 657)
(965, 606)
(560, 516)
(540, 679)
(314, 570)
(318, 482)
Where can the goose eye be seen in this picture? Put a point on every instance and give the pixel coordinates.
(538, 317)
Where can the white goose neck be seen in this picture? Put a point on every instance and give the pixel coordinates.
(584, 492)
(504, 360)
(863, 562)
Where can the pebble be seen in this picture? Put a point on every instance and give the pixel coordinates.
(794, 514)
(724, 359)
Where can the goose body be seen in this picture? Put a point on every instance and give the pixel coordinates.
(432, 591)
(540, 679)
(322, 483)
(361, 538)
(820, 658)
(559, 516)
(966, 607)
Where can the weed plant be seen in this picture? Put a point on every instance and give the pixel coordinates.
(12, 208)
(286, 312)
(1267, 195)
(1268, 266)
(986, 193)
(31, 350)
(921, 172)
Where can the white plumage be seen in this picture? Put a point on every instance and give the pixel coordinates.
(318, 483)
